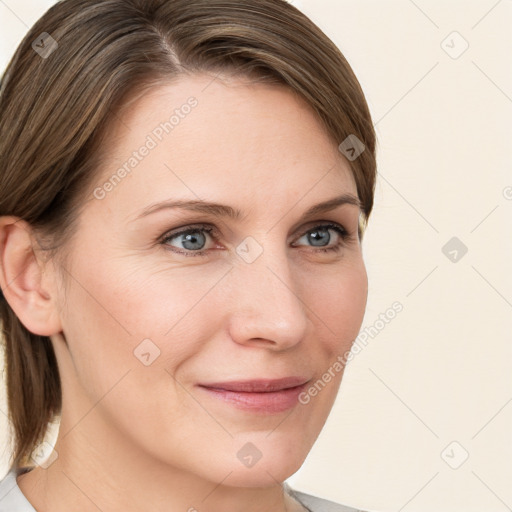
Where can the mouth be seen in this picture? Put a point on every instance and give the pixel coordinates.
(258, 395)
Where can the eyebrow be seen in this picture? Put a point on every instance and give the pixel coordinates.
(222, 210)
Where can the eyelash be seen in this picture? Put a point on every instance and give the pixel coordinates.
(344, 235)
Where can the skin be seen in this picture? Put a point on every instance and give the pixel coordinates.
(132, 434)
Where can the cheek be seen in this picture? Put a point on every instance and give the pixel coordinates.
(122, 359)
(352, 302)
(338, 301)
(142, 323)
(339, 304)
(173, 307)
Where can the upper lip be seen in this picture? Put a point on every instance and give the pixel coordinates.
(258, 385)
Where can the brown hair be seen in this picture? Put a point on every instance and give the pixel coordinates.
(57, 100)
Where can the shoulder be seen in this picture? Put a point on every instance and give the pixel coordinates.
(11, 497)
(316, 504)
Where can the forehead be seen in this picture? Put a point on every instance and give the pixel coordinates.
(220, 140)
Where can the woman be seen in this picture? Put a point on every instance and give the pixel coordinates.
(184, 190)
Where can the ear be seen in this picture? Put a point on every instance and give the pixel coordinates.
(21, 273)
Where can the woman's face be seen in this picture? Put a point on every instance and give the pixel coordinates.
(151, 315)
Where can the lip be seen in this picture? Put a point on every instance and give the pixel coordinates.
(258, 385)
(258, 395)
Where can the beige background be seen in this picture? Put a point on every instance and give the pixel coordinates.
(433, 385)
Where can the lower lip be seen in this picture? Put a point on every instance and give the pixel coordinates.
(270, 402)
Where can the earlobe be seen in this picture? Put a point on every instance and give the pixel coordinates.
(21, 278)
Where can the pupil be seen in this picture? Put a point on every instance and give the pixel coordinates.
(324, 234)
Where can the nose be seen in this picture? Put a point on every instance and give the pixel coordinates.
(267, 309)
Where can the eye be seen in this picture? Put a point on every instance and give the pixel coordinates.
(193, 238)
(319, 236)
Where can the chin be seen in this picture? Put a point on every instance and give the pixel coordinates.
(263, 475)
(265, 462)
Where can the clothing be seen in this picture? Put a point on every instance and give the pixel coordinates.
(13, 500)
(312, 503)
